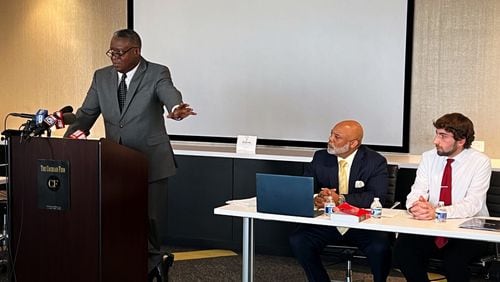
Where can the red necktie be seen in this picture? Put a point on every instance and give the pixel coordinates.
(445, 196)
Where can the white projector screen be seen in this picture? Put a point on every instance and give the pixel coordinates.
(283, 70)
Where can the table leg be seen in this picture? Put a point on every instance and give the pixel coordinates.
(248, 250)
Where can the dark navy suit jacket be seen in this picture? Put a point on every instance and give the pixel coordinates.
(368, 166)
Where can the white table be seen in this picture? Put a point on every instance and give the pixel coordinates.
(401, 222)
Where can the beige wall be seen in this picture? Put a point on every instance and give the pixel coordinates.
(456, 68)
(51, 47)
(49, 50)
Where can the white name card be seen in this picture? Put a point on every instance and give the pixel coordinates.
(246, 144)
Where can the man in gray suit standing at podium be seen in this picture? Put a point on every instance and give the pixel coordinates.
(131, 95)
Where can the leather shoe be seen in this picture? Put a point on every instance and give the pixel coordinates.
(160, 272)
(166, 262)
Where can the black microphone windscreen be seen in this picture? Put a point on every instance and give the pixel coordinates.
(69, 118)
(67, 109)
(23, 115)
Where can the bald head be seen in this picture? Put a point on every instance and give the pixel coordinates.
(345, 138)
(352, 129)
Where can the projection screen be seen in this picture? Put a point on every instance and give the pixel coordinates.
(284, 70)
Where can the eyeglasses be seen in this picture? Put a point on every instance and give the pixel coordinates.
(113, 53)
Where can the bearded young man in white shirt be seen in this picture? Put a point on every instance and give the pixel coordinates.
(469, 180)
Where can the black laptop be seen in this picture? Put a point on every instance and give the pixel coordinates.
(286, 194)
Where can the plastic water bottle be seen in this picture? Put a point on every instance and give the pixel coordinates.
(329, 205)
(441, 213)
(376, 208)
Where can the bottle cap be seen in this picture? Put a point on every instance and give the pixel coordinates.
(376, 199)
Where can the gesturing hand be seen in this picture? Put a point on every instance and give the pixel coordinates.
(181, 112)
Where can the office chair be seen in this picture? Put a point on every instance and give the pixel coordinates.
(488, 266)
(334, 254)
(492, 262)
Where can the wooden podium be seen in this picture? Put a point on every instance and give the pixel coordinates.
(99, 232)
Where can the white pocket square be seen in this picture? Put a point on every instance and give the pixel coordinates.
(359, 184)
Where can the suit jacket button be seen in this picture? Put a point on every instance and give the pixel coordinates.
(121, 125)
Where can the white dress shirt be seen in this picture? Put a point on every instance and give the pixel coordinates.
(130, 75)
(471, 173)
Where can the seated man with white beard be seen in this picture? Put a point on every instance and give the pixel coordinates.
(346, 171)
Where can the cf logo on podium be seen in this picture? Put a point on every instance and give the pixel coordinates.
(53, 183)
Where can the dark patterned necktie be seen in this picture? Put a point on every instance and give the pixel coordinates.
(445, 196)
(122, 92)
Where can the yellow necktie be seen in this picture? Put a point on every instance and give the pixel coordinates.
(343, 186)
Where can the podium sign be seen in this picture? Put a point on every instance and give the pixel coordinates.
(53, 184)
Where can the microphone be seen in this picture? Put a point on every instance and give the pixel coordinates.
(41, 121)
(40, 113)
(47, 123)
(22, 115)
(63, 119)
(60, 119)
(66, 109)
(51, 120)
(34, 120)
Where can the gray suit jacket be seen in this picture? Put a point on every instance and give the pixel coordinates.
(141, 124)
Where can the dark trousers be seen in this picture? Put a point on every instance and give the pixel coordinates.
(157, 211)
(308, 241)
(412, 253)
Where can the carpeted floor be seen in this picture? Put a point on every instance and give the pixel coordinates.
(266, 268)
(225, 265)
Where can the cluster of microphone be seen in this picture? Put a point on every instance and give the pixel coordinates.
(42, 122)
